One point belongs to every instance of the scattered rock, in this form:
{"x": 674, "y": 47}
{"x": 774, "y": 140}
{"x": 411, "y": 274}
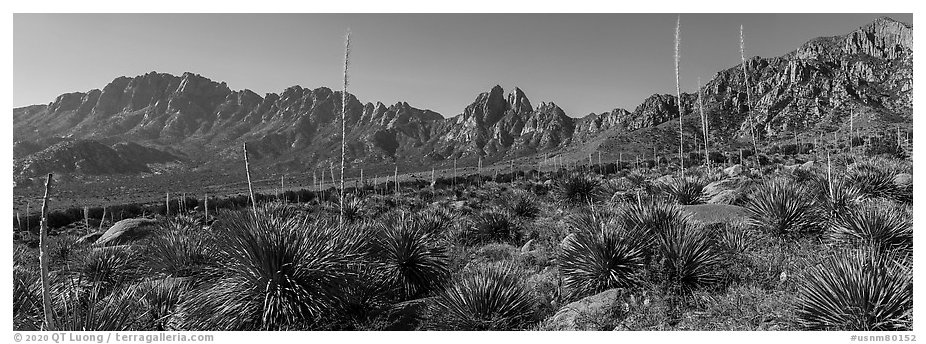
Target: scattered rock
{"x": 569, "y": 318}
{"x": 715, "y": 213}
{"x": 125, "y": 231}
{"x": 733, "y": 171}
{"x": 528, "y": 246}
{"x": 903, "y": 180}
{"x": 723, "y": 197}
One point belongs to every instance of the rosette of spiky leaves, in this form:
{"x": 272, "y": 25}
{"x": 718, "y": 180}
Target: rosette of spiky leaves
{"x": 879, "y": 225}
{"x": 734, "y": 239}
{"x": 91, "y": 307}
{"x": 576, "y": 189}
{"x": 159, "y": 299}
{"x": 599, "y": 255}
{"x": 781, "y": 207}
{"x": 522, "y": 204}
{"x": 493, "y": 226}
{"x": 354, "y": 209}
{"x": 435, "y": 220}
{"x": 280, "y": 270}
{"x": 684, "y": 191}
{"x": 688, "y": 258}
{"x": 409, "y": 254}
{"x": 874, "y": 182}
{"x": 651, "y": 220}
{"x": 109, "y": 267}
{"x": 836, "y": 197}
{"x": 857, "y": 290}
{"x": 176, "y": 250}
{"x": 27, "y": 300}
{"x": 485, "y": 297}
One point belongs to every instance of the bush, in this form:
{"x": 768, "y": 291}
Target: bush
{"x": 878, "y": 225}
{"x": 488, "y": 297}
{"x": 781, "y": 207}
{"x": 493, "y": 226}
{"x": 684, "y": 191}
{"x": 409, "y": 256}
{"x": 599, "y": 255}
{"x": 576, "y": 189}
{"x": 280, "y": 270}
{"x": 859, "y": 290}
{"x": 522, "y": 204}
{"x": 688, "y": 258}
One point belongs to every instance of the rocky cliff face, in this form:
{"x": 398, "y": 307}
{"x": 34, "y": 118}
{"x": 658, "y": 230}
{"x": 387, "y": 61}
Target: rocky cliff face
{"x": 867, "y": 73}
{"x": 90, "y": 157}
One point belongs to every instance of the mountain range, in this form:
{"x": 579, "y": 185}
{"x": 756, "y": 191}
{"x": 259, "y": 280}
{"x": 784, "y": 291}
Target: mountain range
{"x": 135, "y": 123}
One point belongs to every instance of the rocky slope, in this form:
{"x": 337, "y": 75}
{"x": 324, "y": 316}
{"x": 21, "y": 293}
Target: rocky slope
{"x": 867, "y": 73}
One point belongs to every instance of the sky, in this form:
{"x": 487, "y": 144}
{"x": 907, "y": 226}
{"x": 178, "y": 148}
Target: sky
{"x": 582, "y": 62}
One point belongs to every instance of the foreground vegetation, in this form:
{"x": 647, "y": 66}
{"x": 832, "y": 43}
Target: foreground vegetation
{"x": 809, "y": 249}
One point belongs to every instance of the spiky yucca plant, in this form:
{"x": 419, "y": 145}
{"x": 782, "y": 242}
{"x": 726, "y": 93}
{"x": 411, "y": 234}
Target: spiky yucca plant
{"x": 599, "y": 255}
{"x": 280, "y": 270}
{"x": 409, "y": 255}
{"x": 487, "y": 297}
{"x": 688, "y": 258}
{"x": 576, "y": 189}
{"x": 522, "y": 204}
{"x": 493, "y": 226}
{"x": 781, "y": 207}
{"x": 874, "y": 182}
{"x": 178, "y": 250}
{"x": 879, "y": 225}
{"x": 93, "y": 309}
{"x": 27, "y": 300}
{"x": 353, "y": 209}
{"x": 159, "y": 299}
{"x": 109, "y": 266}
{"x": 858, "y": 290}
{"x": 653, "y": 219}
{"x": 684, "y": 191}
{"x": 835, "y": 197}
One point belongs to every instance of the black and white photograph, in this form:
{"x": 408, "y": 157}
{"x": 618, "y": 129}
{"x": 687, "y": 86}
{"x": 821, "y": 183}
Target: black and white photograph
{"x": 659, "y": 172}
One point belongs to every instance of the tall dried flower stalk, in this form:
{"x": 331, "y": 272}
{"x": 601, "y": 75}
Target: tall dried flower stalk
{"x": 43, "y": 259}
{"x": 678, "y": 94}
{"x": 344, "y": 127}
{"x": 247, "y": 170}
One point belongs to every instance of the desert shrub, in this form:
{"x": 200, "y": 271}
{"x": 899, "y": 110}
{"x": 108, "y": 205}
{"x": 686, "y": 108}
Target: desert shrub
{"x": 493, "y": 226}
{"x": 280, "y": 270}
{"x": 781, "y": 207}
{"x": 576, "y": 189}
{"x": 599, "y": 255}
{"x": 878, "y": 225}
{"x": 688, "y": 260}
{"x": 109, "y": 267}
{"x": 158, "y": 299}
{"x": 92, "y": 309}
{"x": 878, "y": 181}
{"x": 487, "y": 297}
{"x": 651, "y": 220}
{"x": 834, "y": 199}
{"x": 522, "y": 204}
{"x": 180, "y": 250}
{"x": 409, "y": 255}
{"x": 683, "y": 191}
{"x": 354, "y": 209}
{"x": 27, "y": 300}
{"x": 859, "y": 290}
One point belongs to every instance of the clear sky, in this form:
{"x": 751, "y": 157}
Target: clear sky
{"x": 582, "y": 62}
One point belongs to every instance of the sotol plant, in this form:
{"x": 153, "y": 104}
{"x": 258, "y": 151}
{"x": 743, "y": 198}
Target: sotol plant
{"x": 781, "y": 207}
{"x": 409, "y": 255}
{"x": 279, "y": 270}
{"x": 487, "y": 297}
{"x": 576, "y": 189}
{"x": 878, "y": 225}
{"x": 858, "y": 290}
{"x": 599, "y": 255}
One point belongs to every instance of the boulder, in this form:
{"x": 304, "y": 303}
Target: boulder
{"x": 89, "y": 238}
{"x": 126, "y": 231}
{"x": 734, "y": 170}
{"x": 723, "y": 197}
{"x": 573, "y": 316}
{"x": 903, "y": 180}
{"x": 807, "y": 165}
{"x": 715, "y": 213}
